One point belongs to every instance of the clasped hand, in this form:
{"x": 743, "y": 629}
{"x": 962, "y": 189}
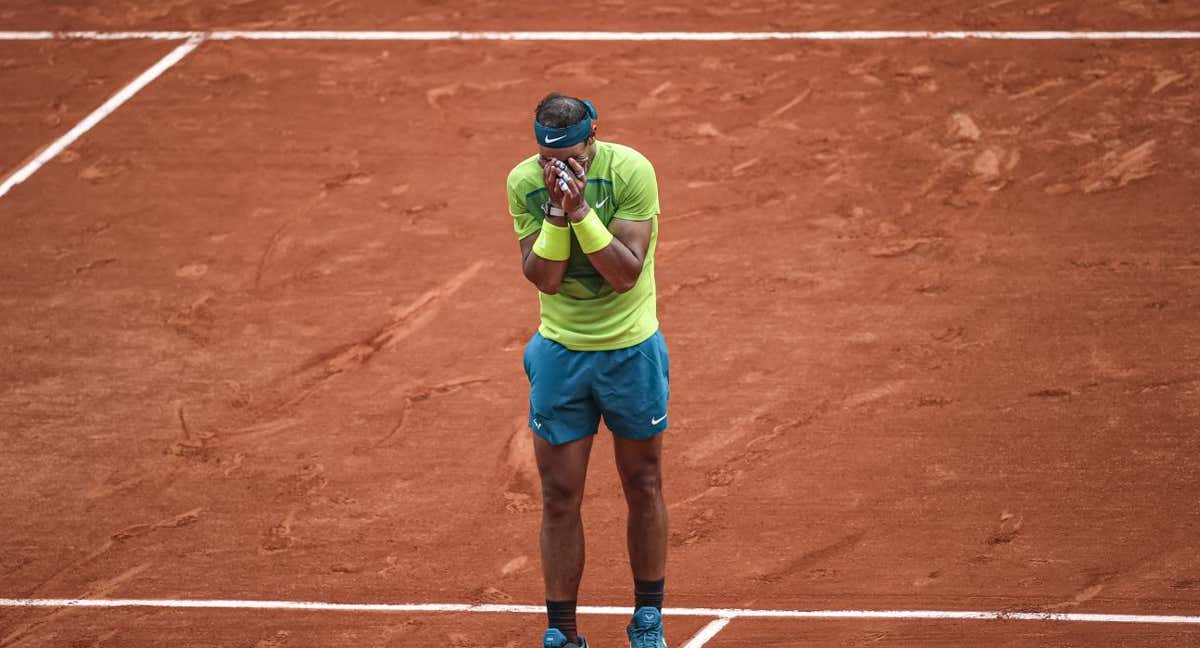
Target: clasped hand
{"x": 566, "y": 182}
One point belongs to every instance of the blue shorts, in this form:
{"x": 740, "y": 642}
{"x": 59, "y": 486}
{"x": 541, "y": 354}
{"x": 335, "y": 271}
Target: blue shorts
{"x": 570, "y": 390}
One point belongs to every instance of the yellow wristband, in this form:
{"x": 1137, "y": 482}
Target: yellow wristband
{"x": 592, "y": 234}
{"x": 554, "y": 243}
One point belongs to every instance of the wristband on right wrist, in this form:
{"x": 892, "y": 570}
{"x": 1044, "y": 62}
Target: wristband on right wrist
{"x": 554, "y": 242}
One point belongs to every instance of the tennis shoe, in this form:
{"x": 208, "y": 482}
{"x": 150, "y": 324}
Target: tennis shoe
{"x": 646, "y": 629}
{"x": 556, "y": 639}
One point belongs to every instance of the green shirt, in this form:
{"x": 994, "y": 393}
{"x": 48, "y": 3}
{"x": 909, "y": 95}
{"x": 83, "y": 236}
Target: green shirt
{"x": 587, "y": 314}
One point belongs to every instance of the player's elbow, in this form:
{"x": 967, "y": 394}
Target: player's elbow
{"x": 548, "y": 285}
{"x": 624, "y": 286}
{"x": 626, "y": 281}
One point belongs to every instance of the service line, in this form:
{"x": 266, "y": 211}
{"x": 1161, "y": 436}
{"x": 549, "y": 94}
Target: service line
{"x": 58, "y": 146}
{"x": 718, "y": 613}
{"x": 857, "y": 35}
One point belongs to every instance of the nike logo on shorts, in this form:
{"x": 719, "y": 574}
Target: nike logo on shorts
{"x": 656, "y": 421}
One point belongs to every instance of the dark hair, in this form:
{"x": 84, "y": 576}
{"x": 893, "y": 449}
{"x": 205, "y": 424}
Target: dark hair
{"x": 559, "y": 111}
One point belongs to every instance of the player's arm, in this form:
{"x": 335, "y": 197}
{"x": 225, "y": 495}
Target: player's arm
{"x": 617, "y": 252}
{"x": 621, "y": 261}
{"x": 544, "y": 253}
{"x": 545, "y": 274}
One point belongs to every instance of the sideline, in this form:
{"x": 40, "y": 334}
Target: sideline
{"x": 59, "y": 145}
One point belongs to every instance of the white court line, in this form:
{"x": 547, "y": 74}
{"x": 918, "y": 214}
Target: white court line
{"x": 602, "y": 35}
{"x": 22, "y": 174}
{"x": 724, "y": 613}
{"x": 98, "y": 35}
{"x": 707, "y": 633}
{"x": 683, "y": 36}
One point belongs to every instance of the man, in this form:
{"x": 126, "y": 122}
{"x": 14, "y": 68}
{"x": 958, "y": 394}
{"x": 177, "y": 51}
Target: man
{"x": 586, "y": 214}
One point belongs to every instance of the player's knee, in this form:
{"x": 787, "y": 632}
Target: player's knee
{"x": 643, "y": 485}
{"x": 560, "y": 500}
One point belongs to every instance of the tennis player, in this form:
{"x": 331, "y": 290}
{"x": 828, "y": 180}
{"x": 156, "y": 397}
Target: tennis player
{"x": 586, "y": 214}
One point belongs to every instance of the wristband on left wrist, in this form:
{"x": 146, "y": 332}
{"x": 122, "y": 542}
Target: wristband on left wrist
{"x": 591, "y": 233}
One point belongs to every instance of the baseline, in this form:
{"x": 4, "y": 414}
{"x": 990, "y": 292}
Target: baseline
{"x": 719, "y": 613}
{"x": 383, "y": 35}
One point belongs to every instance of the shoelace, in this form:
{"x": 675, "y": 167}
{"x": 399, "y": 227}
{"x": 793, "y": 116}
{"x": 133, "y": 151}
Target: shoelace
{"x": 643, "y": 635}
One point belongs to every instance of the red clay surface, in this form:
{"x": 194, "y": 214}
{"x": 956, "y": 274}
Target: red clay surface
{"x": 931, "y": 307}
{"x": 46, "y": 87}
{"x": 920, "y": 634}
{"x": 603, "y": 14}
{"x": 202, "y": 629}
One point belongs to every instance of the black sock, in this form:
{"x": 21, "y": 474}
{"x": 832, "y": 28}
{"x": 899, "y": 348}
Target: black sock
{"x": 562, "y": 616}
{"x": 648, "y": 593}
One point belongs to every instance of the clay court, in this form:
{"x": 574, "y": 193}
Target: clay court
{"x": 933, "y": 306}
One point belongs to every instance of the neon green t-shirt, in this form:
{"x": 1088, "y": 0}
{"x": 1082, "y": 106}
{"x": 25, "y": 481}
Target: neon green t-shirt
{"x": 587, "y": 314}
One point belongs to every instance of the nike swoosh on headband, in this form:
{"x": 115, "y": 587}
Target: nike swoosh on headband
{"x": 551, "y": 140}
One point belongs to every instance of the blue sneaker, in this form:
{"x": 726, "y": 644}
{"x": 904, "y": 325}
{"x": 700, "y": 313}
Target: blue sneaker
{"x": 556, "y": 639}
{"x": 646, "y": 629}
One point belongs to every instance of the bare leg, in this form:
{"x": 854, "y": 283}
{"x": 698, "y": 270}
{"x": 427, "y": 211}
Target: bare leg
{"x": 639, "y": 462}
{"x": 563, "y": 471}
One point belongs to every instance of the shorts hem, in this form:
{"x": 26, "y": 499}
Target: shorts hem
{"x": 640, "y": 436}
{"x": 557, "y": 439}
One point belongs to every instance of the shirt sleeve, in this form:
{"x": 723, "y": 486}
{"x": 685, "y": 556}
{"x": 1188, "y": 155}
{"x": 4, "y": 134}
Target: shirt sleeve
{"x": 524, "y": 223}
{"x": 637, "y": 194}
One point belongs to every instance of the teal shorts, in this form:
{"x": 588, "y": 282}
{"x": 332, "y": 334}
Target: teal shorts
{"x": 569, "y": 391}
